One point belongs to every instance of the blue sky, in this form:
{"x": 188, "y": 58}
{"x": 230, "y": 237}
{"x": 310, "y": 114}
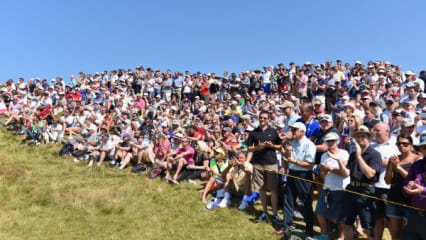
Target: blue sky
{"x": 58, "y": 38}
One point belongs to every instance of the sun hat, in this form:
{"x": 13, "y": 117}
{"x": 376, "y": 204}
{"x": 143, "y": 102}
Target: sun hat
{"x": 331, "y": 136}
{"x": 362, "y": 130}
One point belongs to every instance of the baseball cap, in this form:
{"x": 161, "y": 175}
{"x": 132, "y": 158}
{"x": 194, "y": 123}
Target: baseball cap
{"x": 422, "y": 140}
{"x": 407, "y": 123}
{"x": 389, "y": 99}
{"x": 349, "y": 104}
{"x": 326, "y": 117}
{"x": 299, "y": 126}
{"x": 410, "y": 85}
{"x": 178, "y": 135}
{"x": 287, "y": 104}
{"x": 220, "y": 150}
{"x": 409, "y": 73}
{"x": 126, "y": 135}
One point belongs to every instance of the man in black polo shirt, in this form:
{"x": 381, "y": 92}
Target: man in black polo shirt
{"x": 363, "y": 167}
{"x": 263, "y": 142}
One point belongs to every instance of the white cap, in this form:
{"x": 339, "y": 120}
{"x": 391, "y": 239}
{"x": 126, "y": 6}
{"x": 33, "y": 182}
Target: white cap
{"x": 409, "y": 73}
{"x": 299, "y": 126}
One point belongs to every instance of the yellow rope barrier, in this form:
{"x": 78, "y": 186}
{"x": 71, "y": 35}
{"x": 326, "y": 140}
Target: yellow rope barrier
{"x": 342, "y": 189}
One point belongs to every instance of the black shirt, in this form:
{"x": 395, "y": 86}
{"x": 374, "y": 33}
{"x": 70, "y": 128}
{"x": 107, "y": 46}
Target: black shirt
{"x": 320, "y": 140}
{"x": 266, "y": 156}
{"x": 372, "y": 158}
{"x": 396, "y": 191}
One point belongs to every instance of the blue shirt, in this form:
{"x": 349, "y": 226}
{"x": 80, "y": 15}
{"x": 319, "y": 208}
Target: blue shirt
{"x": 312, "y": 127}
{"x": 303, "y": 150}
{"x": 178, "y": 82}
{"x": 289, "y": 121}
{"x": 337, "y": 103}
{"x": 97, "y": 100}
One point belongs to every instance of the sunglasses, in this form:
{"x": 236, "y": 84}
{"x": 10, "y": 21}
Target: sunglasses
{"x": 294, "y": 129}
{"x": 403, "y": 144}
{"x": 260, "y": 118}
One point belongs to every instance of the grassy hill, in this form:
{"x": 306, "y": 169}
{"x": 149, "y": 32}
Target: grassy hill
{"x": 44, "y": 196}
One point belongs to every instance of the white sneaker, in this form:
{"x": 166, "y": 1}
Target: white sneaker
{"x": 192, "y": 182}
{"x": 210, "y": 203}
{"x": 90, "y": 163}
{"x": 224, "y": 203}
{"x": 76, "y": 160}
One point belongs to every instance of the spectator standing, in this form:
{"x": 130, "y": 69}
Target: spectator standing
{"x": 263, "y": 142}
{"x": 415, "y": 187}
{"x": 364, "y": 166}
{"x": 301, "y": 163}
{"x": 386, "y": 150}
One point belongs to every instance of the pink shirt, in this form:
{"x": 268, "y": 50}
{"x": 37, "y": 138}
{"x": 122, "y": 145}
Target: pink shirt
{"x": 188, "y": 157}
{"x": 166, "y": 146}
{"x": 139, "y": 104}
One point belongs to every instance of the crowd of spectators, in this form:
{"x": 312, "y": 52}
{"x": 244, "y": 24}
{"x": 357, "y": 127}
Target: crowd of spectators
{"x": 356, "y": 127}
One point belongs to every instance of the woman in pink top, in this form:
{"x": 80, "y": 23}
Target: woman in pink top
{"x": 161, "y": 149}
{"x": 139, "y": 104}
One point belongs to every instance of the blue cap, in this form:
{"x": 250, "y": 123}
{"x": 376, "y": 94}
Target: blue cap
{"x": 126, "y": 135}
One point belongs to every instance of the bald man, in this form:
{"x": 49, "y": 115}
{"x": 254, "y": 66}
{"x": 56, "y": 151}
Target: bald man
{"x": 387, "y": 150}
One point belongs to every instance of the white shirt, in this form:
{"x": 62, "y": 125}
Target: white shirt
{"x": 267, "y": 77}
{"x": 333, "y": 179}
{"x": 386, "y": 150}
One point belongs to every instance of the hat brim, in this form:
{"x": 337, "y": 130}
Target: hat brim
{"x": 418, "y": 146}
{"x": 357, "y": 133}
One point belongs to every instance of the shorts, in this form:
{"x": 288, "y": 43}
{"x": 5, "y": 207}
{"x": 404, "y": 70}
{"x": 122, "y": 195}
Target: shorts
{"x": 354, "y": 205}
{"x": 335, "y": 206}
{"x": 396, "y": 211}
{"x": 380, "y": 205}
{"x": 265, "y": 180}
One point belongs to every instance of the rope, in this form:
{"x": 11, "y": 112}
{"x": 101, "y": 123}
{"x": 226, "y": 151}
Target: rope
{"x": 341, "y": 189}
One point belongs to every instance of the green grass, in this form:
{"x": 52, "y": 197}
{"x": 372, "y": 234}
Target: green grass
{"x": 44, "y": 196}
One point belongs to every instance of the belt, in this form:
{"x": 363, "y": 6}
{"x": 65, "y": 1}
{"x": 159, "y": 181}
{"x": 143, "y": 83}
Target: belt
{"x": 360, "y": 184}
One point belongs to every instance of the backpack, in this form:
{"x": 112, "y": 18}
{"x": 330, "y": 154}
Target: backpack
{"x": 67, "y": 149}
{"x": 139, "y": 168}
{"x": 155, "y": 172}
{"x": 79, "y": 153}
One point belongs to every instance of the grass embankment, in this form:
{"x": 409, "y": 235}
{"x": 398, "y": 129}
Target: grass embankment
{"x": 44, "y": 196}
